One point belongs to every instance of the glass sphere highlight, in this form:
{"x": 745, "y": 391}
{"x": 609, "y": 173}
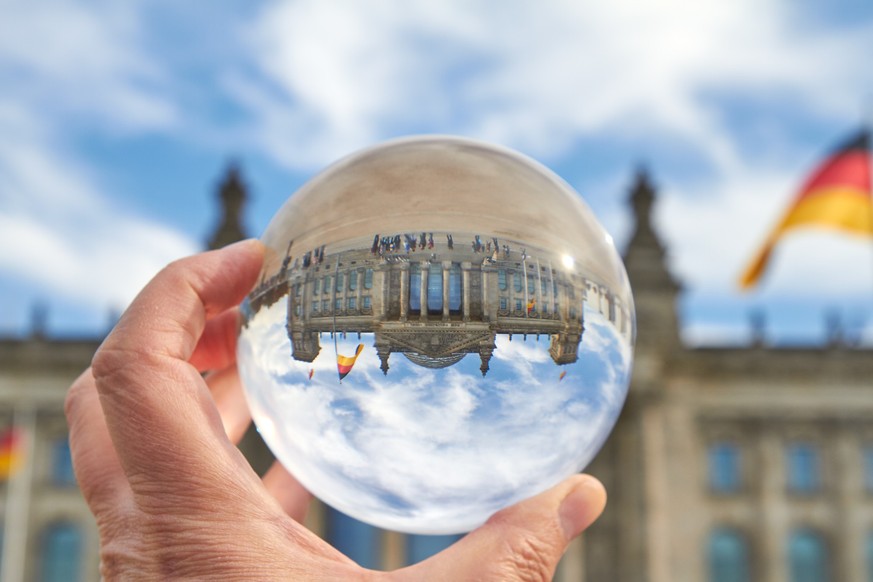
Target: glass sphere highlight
{"x": 441, "y": 329}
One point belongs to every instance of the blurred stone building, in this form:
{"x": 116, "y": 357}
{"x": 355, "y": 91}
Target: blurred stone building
{"x": 728, "y": 464}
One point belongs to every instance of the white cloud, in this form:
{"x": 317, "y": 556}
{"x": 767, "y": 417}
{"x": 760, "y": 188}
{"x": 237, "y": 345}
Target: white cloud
{"x": 433, "y": 449}
{"x": 351, "y": 74}
{"x": 61, "y": 231}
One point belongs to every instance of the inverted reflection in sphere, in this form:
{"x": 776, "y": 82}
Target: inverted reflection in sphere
{"x": 441, "y": 329}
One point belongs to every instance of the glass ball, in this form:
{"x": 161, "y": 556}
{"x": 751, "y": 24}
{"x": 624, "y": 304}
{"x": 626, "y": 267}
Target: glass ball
{"x": 441, "y": 329}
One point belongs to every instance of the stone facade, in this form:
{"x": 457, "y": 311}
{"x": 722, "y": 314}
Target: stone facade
{"x": 759, "y": 403}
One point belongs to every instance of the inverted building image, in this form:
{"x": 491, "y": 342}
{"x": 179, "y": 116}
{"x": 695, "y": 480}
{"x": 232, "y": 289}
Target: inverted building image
{"x": 436, "y": 297}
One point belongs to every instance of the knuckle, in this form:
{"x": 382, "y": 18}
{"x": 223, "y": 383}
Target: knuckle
{"x": 529, "y": 559}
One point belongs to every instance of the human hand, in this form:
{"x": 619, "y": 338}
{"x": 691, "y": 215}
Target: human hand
{"x": 153, "y": 444}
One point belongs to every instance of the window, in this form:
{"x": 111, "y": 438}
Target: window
{"x": 368, "y": 279}
{"x": 868, "y": 471}
{"x": 367, "y": 302}
{"x": 353, "y": 280}
{"x": 315, "y": 307}
{"x": 728, "y": 556}
{"x": 572, "y": 313}
{"x": 435, "y": 288}
{"x": 357, "y": 540}
{"x": 544, "y": 286}
{"x": 516, "y": 281}
{"x": 326, "y": 287}
{"x": 325, "y": 306}
{"x": 339, "y": 282}
{"x": 61, "y": 553}
{"x": 420, "y": 548}
{"x": 503, "y": 303}
{"x": 352, "y": 303}
{"x": 338, "y": 305}
{"x": 531, "y": 286}
{"x": 724, "y": 468}
{"x": 803, "y": 468}
{"x": 807, "y": 557}
{"x": 315, "y": 287}
{"x": 501, "y": 279}
{"x": 455, "y": 288}
{"x": 415, "y": 287}
{"x": 62, "y": 463}
{"x": 518, "y": 304}
{"x": 868, "y": 555}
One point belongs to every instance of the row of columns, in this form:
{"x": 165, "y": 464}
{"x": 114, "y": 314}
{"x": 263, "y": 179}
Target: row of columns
{"x": 424, "y": 273}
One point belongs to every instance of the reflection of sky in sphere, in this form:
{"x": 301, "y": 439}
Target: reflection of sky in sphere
{"x": 432, "y": 451}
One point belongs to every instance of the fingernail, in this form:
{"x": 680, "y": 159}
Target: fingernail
{"x": 582, "y": 505}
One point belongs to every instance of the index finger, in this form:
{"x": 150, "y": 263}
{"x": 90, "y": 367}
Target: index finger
{"x": 158, "y": 409}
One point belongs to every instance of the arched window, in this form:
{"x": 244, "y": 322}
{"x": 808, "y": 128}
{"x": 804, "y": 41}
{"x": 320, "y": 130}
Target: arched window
{"x": 61, "y": 553}
{"x": 414, "y": 288}
{"x": 455, "y": 288}
{"x": 807, "y": 557}
{"x": 728, "y": 556}
{"x": 359, "y": 541}
{"x": 435, "y": 288}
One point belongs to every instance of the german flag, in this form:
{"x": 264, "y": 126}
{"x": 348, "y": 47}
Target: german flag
{"x": 11, "y": 451}
{"x": 344, "y": 363}
{"x": 837, "y": 195}
{"x": 531, "y": 304}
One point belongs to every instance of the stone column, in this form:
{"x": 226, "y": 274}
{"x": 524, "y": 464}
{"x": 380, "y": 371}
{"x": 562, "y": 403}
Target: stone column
{"x": 773, "y": 511}
{"x": 404, "y": 291}
{"x": 465, "y": 280}
{"x": 425, "y": 270}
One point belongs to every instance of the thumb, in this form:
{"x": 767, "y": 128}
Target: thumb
{"x": 524, "y": 541}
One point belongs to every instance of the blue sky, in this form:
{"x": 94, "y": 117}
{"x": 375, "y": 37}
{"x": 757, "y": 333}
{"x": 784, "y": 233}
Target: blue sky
{"x": 118, "y": 119}
{"x": 392, "y": 449}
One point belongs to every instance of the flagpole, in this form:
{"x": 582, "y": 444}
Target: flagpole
{"x": 18, "y": 487}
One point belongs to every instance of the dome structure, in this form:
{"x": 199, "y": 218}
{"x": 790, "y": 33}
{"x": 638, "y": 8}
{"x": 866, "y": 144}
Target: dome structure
{"x": 434, "y": 362}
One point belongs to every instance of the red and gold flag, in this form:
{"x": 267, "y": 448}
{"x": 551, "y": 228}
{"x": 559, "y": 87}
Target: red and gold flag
{"x": 837, "y": 195}
{"x": 11, "y": 451}
{"x": 344, "y": 363}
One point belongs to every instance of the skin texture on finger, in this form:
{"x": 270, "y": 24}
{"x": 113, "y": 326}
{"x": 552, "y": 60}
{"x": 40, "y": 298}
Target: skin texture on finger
{"x": 288, "y": 492}
{"x": 522, "y": 542}
{"x": 216, "y": 348}
{"x": 230, "y": 401}
{"x": 158, "y": 408}
{"x": 95, "y": 462}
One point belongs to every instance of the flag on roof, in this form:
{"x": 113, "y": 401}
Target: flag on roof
{"x": 836, "y": 195}
{"x": 344, "y": 363}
